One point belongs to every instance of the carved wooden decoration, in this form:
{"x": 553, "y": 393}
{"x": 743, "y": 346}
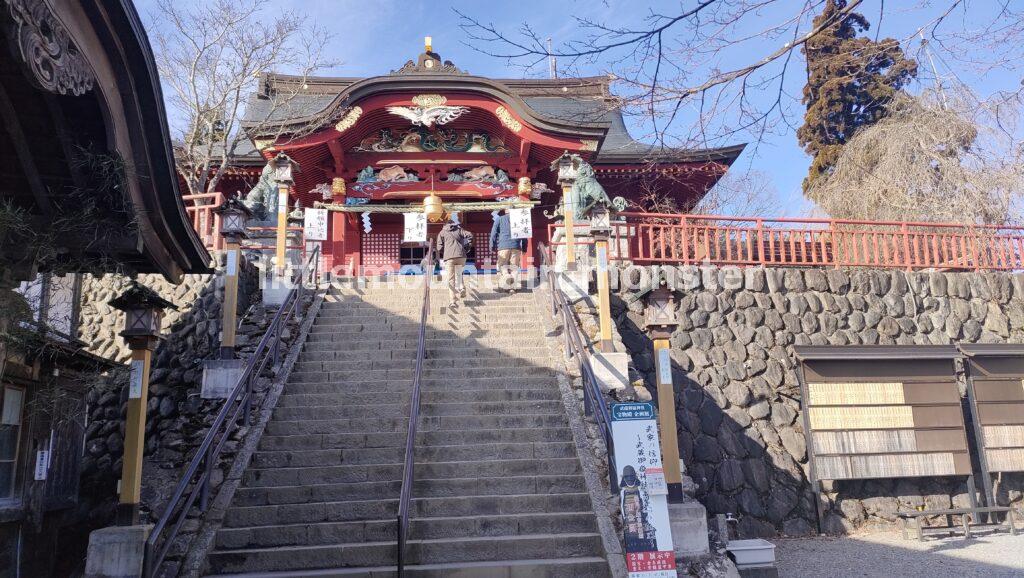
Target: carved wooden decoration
{"x": 47, "y": 49}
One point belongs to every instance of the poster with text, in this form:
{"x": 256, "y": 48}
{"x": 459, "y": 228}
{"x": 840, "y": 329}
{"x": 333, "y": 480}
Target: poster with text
{"x": 415, "y": 229}
{"x": 315, "y": 225}
{"x": 643, "y": 495}
{"x": 521, "y": 223}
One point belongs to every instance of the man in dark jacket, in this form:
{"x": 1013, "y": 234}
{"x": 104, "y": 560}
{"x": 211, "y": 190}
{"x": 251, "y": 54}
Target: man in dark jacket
{"x": 453, "y": 245}
{"x": 510, "y": 251}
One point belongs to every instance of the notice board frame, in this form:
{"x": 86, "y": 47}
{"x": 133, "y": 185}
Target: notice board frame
{"x": 971, "y": 353}
{"x": 835, "y": 353}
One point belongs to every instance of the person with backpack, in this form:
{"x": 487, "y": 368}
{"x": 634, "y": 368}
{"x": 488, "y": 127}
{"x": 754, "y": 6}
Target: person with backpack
{"x": 510, "y": 251}
{"x": 453, "y": 246}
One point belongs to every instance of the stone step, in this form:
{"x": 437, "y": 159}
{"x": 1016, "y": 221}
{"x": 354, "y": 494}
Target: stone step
{"x": 359, "y": 311}
{"x": 492, "y": 408}
{"x": 487, "y": 342}
{"x": 468, "y": 351}
{"x": 289, "y": 399}
{"x": 387, "y": 472}
{"x": 395, "y": 325}
{"x": 434, "y": 338}
{"x": 429, "y": 384}
{"x": 469, "y": 549}
{"x": 428, "y": 423}
{"x": 420, "y": 528}
{"x": 507, "y": 368}
{"x": 371, "y": 363}
{"x": 456, "y": 453}
{"x": 423, "y": 488}
{"x": 591, "y": 567}
{"x": 377, "y": 509}
{"x": 423, "y": 438}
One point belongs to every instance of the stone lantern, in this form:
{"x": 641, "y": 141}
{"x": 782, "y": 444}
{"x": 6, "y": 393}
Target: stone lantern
{"x": 660, "y": 321}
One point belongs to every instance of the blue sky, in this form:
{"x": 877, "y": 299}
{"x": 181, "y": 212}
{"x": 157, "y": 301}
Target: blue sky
{"x": 375, "y": 36}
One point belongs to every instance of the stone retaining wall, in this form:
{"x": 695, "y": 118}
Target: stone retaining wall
{"x": 738, "y": 399}
{"x": 177, "y": 417}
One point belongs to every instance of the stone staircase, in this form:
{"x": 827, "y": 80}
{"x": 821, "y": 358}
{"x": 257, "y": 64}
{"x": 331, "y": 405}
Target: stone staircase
{"x": 499, "y": 489}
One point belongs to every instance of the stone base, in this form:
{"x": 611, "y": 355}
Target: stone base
{"x": 116, "y": 552}
{"x": 575, "y": 284}
{"x": 220, "y": 376}
{"x": 611, "y": 370}
{"x": 689, "y": 523}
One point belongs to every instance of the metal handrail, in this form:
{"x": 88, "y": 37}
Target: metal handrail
{"x": 237, "y": 408}
{"x": 414, "y": 413}
{"x": 593, "y": 401}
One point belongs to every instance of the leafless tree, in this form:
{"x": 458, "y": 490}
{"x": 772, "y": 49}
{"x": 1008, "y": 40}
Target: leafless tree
{"x": 747, "y": 194}
{"x": 712, "y": 70}
{"x": 940, "y": 156}
{"x": 211, "y": 59}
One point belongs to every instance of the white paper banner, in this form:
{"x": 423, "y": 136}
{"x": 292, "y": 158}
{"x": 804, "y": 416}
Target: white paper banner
{"x": 643, "y": 492}
{"x": 42, "y": 464}
{"x": 415, "y": 230}
{"x": 522, "y": 223}
{"x": 315, "y": 225}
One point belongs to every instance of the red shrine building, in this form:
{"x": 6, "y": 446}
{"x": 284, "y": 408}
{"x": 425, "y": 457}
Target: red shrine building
{"x": 371, "y": 146}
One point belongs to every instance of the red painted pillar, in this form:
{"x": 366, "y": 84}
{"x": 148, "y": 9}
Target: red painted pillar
{"x": 334, "y": 248}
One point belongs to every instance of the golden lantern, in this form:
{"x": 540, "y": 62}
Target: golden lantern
{"x": 525, "y": 188}
{"x": 433, "y": 208}
{"x": 338, "y": 186}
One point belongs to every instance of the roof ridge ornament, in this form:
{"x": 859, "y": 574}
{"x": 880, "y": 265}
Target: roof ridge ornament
{"x": 428, "y": 62}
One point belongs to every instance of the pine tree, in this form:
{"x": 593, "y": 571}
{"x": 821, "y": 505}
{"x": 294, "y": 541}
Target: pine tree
{"x": 850, "y": 80}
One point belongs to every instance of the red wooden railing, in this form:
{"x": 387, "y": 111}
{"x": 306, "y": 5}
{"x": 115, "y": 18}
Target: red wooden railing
{"x": 207, "y": 223}
{"x": 649, "y": 238}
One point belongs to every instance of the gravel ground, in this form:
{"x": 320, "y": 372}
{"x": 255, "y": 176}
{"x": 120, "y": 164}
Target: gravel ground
{"x": 996, "y": 555}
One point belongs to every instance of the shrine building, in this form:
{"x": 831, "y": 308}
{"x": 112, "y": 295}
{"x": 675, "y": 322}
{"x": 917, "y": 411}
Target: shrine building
{"x": 371, "y": 148}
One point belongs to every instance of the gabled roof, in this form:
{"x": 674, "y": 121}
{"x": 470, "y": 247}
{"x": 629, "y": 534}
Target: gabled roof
{"x": 583, "y": 103}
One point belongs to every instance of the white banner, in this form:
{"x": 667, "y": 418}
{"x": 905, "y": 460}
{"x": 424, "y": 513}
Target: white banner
{"x": 415, "y": 230}
{"x": 643, "y": 493}
{"x": 521, "y": 223}
{"x": 315, "y": 225}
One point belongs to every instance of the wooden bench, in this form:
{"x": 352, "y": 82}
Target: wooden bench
{"x": 967, "y": 517}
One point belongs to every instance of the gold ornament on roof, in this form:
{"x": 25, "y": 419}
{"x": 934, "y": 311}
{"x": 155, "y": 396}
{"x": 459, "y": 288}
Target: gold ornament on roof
{"x": 507, "y": 119}
{"x": 428, "y": 100}
{"x": 349, "y": 119}
{"x": 262, "y": 143}
{"x": 525, "y": 186}
{"x": 588, "y": 145}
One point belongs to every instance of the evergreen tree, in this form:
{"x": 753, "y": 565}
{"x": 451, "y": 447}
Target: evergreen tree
{"x": 850, "y": 81}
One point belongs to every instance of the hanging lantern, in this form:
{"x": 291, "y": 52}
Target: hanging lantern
{"x": 525, "y": 187}
{"x": 338, "y": 187}
{"x": 433, "y": 208}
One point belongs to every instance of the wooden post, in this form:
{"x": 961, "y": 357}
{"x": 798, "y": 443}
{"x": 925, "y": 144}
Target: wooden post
{"x": 570, "y": 225}
{"x": 229, "y": 313}
{"x": 282, "y": 228}
{"x": 667, "y": 420}
{"x": 135, "y": 431}
{"x": 603, "y": 293}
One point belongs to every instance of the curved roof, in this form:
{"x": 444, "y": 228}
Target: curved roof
{"x": 580, "y": 106}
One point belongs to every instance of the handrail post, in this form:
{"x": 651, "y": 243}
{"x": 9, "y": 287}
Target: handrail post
{"x": 760, "y": 241}
{"x": 906, "y": 246}
{"x": 832, "y": 233}
{"x": 685, "y": 232}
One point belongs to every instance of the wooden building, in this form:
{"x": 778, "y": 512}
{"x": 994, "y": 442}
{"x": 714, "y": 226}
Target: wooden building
{"x": 392, "y": 140}
{"x": 87, "y": 183}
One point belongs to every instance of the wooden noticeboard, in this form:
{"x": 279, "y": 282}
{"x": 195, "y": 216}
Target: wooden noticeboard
{"x": 995, "y": 389}
{"x": 881, "y": 416}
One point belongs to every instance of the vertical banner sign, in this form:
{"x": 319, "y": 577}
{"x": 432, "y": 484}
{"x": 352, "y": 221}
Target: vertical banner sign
{"x": 415, "y": 230}
{"x": 42, "y": 465}
{"x": 643, "y": 494}
{"x": 315, "y": 225}
{"x": 521, "y": 223}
